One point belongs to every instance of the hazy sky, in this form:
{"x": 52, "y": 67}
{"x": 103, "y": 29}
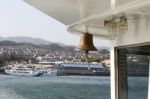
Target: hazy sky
{"x": 20, "y": 19}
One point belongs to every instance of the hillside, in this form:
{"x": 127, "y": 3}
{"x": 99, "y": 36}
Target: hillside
{"x": 23, "y": 39}
{"x": 50, "y": 47}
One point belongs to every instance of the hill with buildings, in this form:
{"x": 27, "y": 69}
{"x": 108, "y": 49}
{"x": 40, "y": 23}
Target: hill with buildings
{"x": 13, "y": 51}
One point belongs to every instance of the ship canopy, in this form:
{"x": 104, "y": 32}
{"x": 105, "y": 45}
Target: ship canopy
{"x": 83, "y": 15}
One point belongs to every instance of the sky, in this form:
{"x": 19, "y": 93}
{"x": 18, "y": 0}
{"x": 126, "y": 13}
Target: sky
{"x": 17, "y": 18}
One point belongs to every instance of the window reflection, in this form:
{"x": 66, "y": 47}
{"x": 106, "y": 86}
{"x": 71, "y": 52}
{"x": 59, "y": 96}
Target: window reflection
{"x": 137, "y": 69}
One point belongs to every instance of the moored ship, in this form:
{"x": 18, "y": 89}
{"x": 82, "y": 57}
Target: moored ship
{"x": 53, "y": 72}
{"x": 84, "y": 68}
{"x": 49, "y": 70}
{"x": 23, "y": 71}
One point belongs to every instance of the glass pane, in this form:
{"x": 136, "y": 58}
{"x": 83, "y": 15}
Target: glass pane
{"x": 138, "y": 66}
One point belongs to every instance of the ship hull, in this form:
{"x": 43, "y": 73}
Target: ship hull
{"x": 15, "y": 73}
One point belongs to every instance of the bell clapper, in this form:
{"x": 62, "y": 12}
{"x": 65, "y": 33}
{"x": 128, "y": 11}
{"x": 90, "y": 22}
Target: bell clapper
{"x": 86, "y": 55}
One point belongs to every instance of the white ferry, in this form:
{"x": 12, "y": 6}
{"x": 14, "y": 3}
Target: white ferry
{"x": 53, "y": 72}
{"x": 23, "y": 71}
{"x": 48, "y": 70}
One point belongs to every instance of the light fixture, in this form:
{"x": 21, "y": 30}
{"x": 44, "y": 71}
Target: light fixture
{"x": 123, "y": 25}
{"x": 116, "y": 25}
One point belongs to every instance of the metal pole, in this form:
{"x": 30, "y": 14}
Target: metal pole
{"x": 148, "y": 96}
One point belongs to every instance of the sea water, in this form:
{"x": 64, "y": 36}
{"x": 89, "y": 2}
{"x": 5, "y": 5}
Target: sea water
{"x": 60, "y": 87}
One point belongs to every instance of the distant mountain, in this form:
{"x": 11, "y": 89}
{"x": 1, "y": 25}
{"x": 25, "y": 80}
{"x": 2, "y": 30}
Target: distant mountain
{"x": 50, "y": 47}
{"x": 23, "y": 39}
{"x": 6, "y": 43}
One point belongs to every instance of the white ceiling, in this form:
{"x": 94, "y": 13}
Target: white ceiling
{"x": 70, "y": 11}
{"x": 90, "y": 13}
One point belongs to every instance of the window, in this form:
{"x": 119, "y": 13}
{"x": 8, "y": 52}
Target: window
{"x": 132, "y": 65}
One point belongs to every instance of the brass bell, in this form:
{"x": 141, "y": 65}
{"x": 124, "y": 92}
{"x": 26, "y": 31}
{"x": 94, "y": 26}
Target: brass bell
{"x": 86, "y": 43}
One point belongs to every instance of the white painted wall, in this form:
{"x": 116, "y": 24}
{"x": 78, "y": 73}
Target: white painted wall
{"x": 138, "y": 32}
{"x": 122, "y": 2}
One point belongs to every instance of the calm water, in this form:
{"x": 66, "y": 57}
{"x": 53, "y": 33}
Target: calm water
{"x": 56, "y": 87}
{"x": 137, "y": 87}
{"x": 62, "y": 87}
